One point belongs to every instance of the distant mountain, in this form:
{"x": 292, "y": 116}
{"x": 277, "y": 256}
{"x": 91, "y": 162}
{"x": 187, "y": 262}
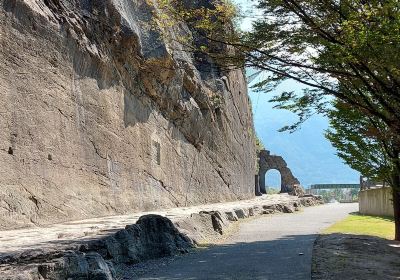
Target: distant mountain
{"x": 309, "y": 155}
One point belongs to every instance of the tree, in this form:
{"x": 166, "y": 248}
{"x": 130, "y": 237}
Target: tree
{"x": 346, "y": 50}
{"x": 354, "y": 194}
{"x": 317, "y": 43}
{"x": 366, "y": 144}
{"x": 360, "y": 141}
{"x": 322, "y": 43}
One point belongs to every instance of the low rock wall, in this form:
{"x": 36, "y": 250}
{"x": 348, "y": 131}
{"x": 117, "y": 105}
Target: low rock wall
{"x": 153, "y": 236}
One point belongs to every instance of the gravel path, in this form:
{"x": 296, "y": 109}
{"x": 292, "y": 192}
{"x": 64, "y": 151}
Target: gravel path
{"x": 270, "y": 247}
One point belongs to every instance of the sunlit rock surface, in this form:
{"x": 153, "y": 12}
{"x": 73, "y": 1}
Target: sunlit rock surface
{"x": 101, "y": 115}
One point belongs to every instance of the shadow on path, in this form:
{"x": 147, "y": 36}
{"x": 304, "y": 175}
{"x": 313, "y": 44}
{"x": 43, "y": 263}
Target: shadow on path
{"x": 289, "y": 257}
{"x": 350, "y": 256}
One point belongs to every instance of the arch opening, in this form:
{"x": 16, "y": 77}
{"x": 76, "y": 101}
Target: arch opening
{"x": 267, "y": 162}
{"x": 273, "y": 181}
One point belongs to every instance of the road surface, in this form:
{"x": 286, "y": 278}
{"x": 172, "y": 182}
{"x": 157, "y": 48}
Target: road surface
{"x": 276, "y": 247}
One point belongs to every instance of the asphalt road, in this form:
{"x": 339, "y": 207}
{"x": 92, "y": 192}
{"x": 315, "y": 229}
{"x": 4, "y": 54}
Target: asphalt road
{"x": 269, "y": 247}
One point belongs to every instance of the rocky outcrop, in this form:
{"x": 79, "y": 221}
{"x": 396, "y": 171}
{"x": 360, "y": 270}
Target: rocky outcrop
{"x": 103, "y": 114}
{"x": 152, "y": 237}
{"x": 76, "y": 265}
{"x": 296, "y": 190}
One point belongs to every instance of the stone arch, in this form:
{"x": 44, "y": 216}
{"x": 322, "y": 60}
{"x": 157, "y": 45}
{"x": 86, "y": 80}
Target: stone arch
{"x": 266, "y": 162}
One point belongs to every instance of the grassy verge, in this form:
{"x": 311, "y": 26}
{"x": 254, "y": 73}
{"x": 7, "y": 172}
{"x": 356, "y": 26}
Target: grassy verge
{"x": 364, "y": 225}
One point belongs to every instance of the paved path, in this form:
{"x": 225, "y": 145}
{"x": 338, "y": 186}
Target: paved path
{"x": 276, "y": 247}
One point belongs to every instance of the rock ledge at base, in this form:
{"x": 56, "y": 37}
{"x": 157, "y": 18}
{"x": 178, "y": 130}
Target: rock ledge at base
{"x": 152, "y": 237}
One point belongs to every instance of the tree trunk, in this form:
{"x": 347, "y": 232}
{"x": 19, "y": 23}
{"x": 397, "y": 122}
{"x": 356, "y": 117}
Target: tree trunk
{"x": 396, "y": 196}
{"x": 396, "y": 208}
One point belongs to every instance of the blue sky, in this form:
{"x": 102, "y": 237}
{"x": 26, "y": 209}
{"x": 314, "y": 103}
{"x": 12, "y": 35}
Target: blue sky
{"x": 308, "y": 153}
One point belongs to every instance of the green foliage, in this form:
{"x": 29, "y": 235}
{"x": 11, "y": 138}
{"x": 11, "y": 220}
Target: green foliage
{"x": 208, "y": 17}
{"x": 338, "y": 195}
{"x": 208, "y": 22}
{"x": 364, "y": 142}
{"x": 259, "y": 144}
{"x": 345, "y": 49}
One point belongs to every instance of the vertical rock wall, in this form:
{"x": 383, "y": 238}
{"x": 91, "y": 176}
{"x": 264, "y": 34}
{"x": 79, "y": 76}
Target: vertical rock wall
{"x": 101, "y": 115}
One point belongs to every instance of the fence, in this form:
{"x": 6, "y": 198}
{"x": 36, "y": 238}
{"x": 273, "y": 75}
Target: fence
{"x": 376, "y": 202}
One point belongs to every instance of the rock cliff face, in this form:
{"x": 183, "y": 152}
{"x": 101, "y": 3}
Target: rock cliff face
{"x": 101, "y": 115}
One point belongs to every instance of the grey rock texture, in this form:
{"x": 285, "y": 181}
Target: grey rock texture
{"x": 152, "y": 237}
{"x": 231, "y": 216}
{"x": 77, "y": 265}
{"x": 242, "y": 213}
{"x": 296, "y": 190}
{"x": 275, "y": 248}
{"x": 101, "y": 115}
{"x": 219, "y": 221}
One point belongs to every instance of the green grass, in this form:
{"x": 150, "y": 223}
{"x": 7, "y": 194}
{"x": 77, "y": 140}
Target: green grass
{"x": 364, "y": 225}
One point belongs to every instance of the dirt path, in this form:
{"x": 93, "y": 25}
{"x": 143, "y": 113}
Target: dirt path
{"x": 271, "y": 247}
{"x": 353, "y": 257}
